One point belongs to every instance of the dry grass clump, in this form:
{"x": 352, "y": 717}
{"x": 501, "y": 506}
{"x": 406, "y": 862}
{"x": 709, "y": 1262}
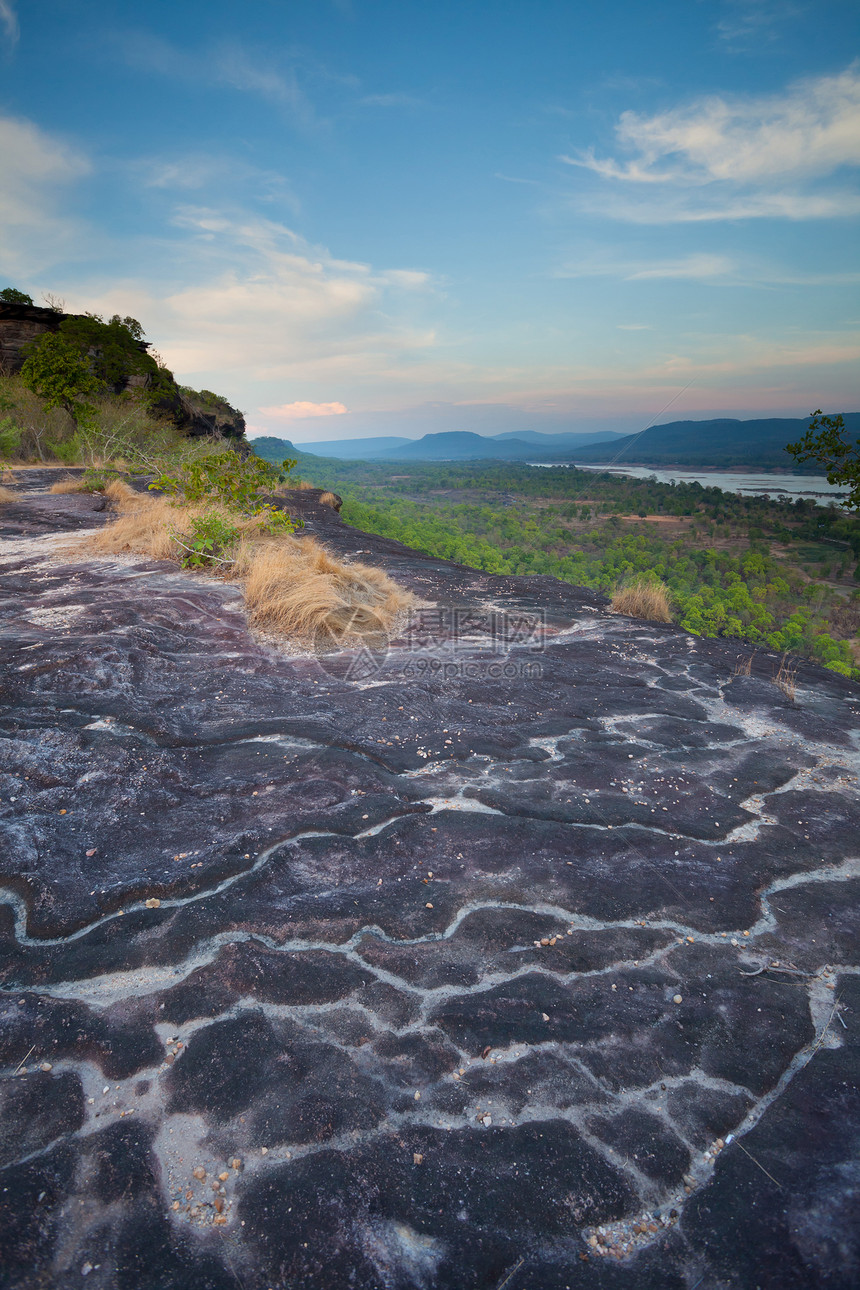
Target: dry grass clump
{"x": 292, "y": 587}
{"x": 7, "y": 494}
{"x": 743, "y": 667}
{"x": 69, "y": 485}
{"x": 786, "y": 678}
{"x": 329, "y": 499}
{"x": 145, "y": 526}
{"x": 298, "y": 588}
{"x": 643, "y": 599}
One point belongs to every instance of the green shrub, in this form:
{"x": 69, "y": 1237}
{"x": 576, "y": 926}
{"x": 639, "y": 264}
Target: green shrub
{"x": 225, "y": 477}
{"x": 212, "y": 535}
{"x": 10, "y": 437}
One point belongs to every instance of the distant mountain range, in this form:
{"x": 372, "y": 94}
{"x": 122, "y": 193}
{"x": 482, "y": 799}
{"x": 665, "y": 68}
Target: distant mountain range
{"x": 754, "y": 444}
{"x": 451, "y": 445}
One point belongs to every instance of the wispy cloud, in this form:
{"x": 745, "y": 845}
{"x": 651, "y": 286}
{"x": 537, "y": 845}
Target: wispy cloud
{"x": 234, "y": 66}
{"x": 34, "y": 165}
{"x": 9, "y": 19}
{"x": 300, "y": 411}
{"x": 705, "y": 267}
{"x": 700, "y": 267}
{"x": 741, "y": 158}
{"x": 746, "y": 24}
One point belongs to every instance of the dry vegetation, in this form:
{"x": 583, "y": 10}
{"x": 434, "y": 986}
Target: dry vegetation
{"x": 643, "y": 599}
{"x": 329, "y": 499}
{"x": 7, "y": 494}
{"x": 69, "y": 485}
{"x": 292, "y": 586}
{"x": 786, "y": 678}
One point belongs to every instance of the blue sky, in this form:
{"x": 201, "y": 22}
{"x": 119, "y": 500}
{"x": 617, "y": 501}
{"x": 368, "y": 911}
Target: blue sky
{"x": 362, "y": 218}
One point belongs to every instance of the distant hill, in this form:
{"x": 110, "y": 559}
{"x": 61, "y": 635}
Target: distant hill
{"x": 565, "y": 440}
{"x": 353, "y": 449}
{"x": 756, "y": 444}
{"x": 720, "y": 443}
{"x": 450, "y": 445}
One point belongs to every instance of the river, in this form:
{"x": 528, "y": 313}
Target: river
{"x": 815, "y": 487}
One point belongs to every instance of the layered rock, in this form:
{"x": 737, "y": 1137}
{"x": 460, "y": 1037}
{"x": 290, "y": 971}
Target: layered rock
{"x": 522, "y": 953}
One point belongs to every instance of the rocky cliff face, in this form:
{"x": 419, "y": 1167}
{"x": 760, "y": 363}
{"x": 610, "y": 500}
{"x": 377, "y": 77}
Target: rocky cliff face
{"x": 521, "y": 954}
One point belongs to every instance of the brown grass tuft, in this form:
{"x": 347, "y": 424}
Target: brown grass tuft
{"x": 144, "y": 526}
{"x": 296, "y": 587}
{"x": 292, "y": 586}
{"x": 8, "y": 494}
{"x": 329, "y": 499}
{"x": 786, "y": 678}
{"x": 70, "y": 484}
{"x": 643, "y": 599}
{"x": 743, "y": 667}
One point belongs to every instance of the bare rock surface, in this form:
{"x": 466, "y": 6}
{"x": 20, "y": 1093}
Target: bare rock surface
{"x": 523, "y": 954}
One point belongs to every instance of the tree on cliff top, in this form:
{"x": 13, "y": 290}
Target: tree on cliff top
{"x": 826, "y": 444}
{"x": 57, "y": 371}
{"x": 12, "y": 296}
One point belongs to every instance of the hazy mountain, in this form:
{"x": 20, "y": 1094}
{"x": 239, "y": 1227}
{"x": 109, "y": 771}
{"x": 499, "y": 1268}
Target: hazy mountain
{"x": 354, "y": 449}
{"x": 565, "y": 440}
{"x": 724, "y": 442}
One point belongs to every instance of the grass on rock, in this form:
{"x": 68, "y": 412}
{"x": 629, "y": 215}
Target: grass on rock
{"x": 643, "y": 598}
{"x": 292, "y": 586}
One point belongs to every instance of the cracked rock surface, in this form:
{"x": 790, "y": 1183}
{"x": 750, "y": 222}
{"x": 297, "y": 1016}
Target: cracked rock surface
{"x": 516, "y": 956}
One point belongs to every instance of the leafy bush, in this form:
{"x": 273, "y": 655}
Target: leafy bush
{"x": 211, "y": 536}
{"x": 225, "y": 477}
{"x": 10, "y": 437}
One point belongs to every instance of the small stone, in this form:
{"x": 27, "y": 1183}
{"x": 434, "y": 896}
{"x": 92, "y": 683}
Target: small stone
{"x": 734, "y": 941}
{"x": 264, "y": 1151}
{"x": 199, "y": 1173}
{"x": 224, "y": 1176}
{"x": 235, "y": 1163}
{"x": 676, "y": 999}
{"x": 220, "y": 1220}
{"x": 219, "y": 1204}
{"x": 86, "y": 1269}
{"x": 46, "y": 1066}
{"x": 545, "y": 1016}
{"x": 63, "y": 812}
{"x": 91, "y": 852}
{"x": 428, "y": 905}
{"x": 176, "y": 1205}
{"x": 746, "y": 933}
{"x": 417, "y": 1096}
{"x": 592, "y": 1241}
{"x": 153, "y": 903}
{"x": 544, "y": 940}
{"x": 417, "y": 1158}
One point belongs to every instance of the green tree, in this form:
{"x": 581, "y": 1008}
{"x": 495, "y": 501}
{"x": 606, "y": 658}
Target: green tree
{"x": 825, "y": 442}
{"x": 11, "y": 296}
{"x": 56, "y": 370}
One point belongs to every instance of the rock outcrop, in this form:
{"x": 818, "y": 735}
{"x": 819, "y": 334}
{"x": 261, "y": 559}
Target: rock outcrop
{"x": 522, "y": 954}
{"x": 197, "y": 413}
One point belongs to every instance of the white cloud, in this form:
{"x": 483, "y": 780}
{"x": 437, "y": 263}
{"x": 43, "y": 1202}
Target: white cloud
{"x": 300, "y": 410}
{"x": 9, "y": 19}
{"x": 263, "y": 315}
{"x": 33, "y": 165}
{"x": 696, "y": 267}
{"x": 741, "y": 158}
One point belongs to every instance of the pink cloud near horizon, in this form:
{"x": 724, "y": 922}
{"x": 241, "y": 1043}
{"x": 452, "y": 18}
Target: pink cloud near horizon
{"x": 299, "y": 410}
